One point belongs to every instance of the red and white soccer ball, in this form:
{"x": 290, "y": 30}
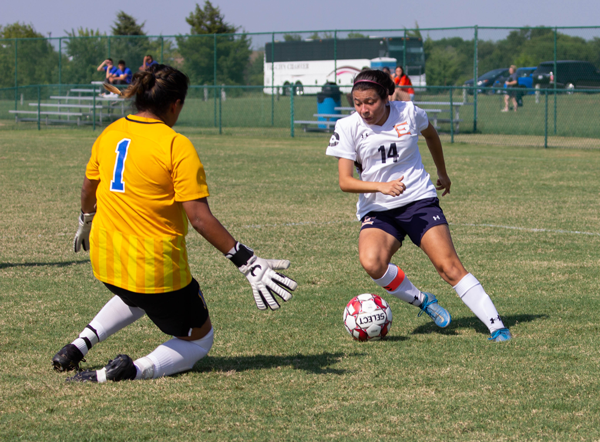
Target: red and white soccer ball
{"x": 368, "y": 317}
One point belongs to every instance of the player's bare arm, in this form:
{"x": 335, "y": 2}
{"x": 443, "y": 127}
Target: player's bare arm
{"x": 88, "y": 195}
{"x": 205, "y": 223}
{"x": 353, "y": 185}
{"x": 435, "y": 148}
{"x": 259, "y": 272}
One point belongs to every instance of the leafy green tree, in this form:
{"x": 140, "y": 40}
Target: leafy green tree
{"x": 37, "y": 61}
{"x": 19, "y": 30}
{"x": 292, "y": 37}
{"x": 415, "y": 33}
{"x": 85, "y": 50}
{"x": 209, "y": 20}
{"x": 356, "y": 35}
{"x": 197, "y": 50}
{"x": 459, "y": 56}
{"x": 444, "y": 66}
{"x": 125, "y": 24}
{"x": 595, "y": 48}
{"x": 255, "y": 72}
{"x": 132, "y": 48}
{"x": 316, "y": 36}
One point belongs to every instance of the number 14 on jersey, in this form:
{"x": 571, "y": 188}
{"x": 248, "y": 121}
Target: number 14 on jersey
{"x": 392, "y": 152}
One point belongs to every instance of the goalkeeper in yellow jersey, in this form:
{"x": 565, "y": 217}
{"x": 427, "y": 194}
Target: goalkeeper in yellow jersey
{"x": 142, "y": 184}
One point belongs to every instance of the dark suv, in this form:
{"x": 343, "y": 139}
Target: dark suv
{"x": 487, "y": 80}
{"x": 569, "y": 75}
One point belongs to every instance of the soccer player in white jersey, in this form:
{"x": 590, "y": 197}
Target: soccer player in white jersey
{"x": 397, "y": 198}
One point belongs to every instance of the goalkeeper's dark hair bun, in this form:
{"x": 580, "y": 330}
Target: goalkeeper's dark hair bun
{"x": 156, "y": 88}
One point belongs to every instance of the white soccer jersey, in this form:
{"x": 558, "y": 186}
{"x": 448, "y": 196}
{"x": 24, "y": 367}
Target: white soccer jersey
{"x": 385, "y": 153}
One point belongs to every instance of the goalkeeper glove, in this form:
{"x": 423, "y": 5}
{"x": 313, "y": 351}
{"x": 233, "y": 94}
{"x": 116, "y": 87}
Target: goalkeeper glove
{"x": 82, "y": 237}
{"x": 263, "y": 280}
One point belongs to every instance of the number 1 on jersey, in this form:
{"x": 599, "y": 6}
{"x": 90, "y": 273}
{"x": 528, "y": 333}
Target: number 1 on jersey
{"x": 117, "y": 184}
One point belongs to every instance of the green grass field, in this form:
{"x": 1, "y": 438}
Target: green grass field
{"x": 525, "y": 221}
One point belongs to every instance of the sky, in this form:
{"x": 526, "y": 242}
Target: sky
{"x": 168, "y": 17}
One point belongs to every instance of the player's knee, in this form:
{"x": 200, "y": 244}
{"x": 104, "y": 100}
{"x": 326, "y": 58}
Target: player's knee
{"x": 205, "y": 343}
{"x": 193, "y": 351}
{"x": 374, "y": 267}
{"x": 451, "y": 272}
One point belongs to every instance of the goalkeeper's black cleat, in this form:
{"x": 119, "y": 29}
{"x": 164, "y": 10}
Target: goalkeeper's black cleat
{"x": 120, "y": 368}
{"x": 68, "y": 358}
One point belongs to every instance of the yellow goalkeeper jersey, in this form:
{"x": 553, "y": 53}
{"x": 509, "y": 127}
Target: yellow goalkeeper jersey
{"x": 146, "y": 170}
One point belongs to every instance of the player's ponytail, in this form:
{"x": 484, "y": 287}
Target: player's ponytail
{"x": 374, "y": 79}
{"x": 157, "y": 88}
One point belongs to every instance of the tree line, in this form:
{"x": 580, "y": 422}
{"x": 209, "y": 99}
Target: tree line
{"x": 39, "y": 60}
{"x": 449, "y": 61}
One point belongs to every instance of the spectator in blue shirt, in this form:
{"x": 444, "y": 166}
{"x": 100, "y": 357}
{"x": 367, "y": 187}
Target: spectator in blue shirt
{"x": 148, "y": 61}
{"x": 108, "y": 66}
{"x": 123, "y": 74}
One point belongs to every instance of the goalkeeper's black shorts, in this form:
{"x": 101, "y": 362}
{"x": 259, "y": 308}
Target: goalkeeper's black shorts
{"x": 174, "y": 313}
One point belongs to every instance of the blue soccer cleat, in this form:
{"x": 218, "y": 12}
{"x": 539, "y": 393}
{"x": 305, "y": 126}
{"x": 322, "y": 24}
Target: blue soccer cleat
{"x": 500, "y": 335}
{"x": 439, "y": 314}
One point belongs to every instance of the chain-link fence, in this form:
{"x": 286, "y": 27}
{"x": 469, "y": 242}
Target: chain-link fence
{"x": 273, "y": 80}
{"x": 544, "y": 117}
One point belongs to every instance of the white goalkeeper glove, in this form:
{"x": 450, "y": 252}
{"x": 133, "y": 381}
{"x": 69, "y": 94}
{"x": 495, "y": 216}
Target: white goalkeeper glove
{"x": 82, "y": 237}
{"x": 264, "y": 281}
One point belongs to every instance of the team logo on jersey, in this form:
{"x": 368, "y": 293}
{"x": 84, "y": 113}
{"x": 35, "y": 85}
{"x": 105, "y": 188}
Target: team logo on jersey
{"x": 402, "y": 129}
{"x": 364, "y": 135}
{"x": 334, "y": 140}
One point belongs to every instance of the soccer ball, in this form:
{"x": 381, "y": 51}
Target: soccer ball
{"x": 368, "y": 317}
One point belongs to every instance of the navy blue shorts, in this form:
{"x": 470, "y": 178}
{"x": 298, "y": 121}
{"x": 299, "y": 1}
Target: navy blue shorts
{"x": 174, "y": 313}
{"x": 413, "y": 220}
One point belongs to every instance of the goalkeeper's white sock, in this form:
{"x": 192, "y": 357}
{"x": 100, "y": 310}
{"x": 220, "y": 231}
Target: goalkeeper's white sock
{"x": 474, "y": 296}
{"x": 114, "y": 316}
{"x": 174, "y": 356}
{"x": 396, "y": 283}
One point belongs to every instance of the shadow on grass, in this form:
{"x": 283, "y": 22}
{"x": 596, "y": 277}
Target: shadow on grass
{"x": 6, "y": 265}
{"x": 395, "y": 338}
{"x": 317, "y": 363}
{"x": 473, "y": 322}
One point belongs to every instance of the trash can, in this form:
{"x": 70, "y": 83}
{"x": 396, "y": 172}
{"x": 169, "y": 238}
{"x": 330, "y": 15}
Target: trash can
{"x": 327, "y": 100}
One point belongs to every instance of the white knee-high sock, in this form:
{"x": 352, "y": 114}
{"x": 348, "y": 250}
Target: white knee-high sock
{"x": 396, "y": 283}
{"x": 114, "y": 316}
{"x": 174, "y": 356}
{"x": 474, "y": 296}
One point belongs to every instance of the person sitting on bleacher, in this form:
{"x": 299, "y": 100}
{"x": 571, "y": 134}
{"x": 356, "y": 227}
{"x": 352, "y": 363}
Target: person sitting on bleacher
{"x": 108, "y": 66}
{"x": 148, "y": 61}
{"x": 404, "y": 90}
{"x": 123, "y": 74}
